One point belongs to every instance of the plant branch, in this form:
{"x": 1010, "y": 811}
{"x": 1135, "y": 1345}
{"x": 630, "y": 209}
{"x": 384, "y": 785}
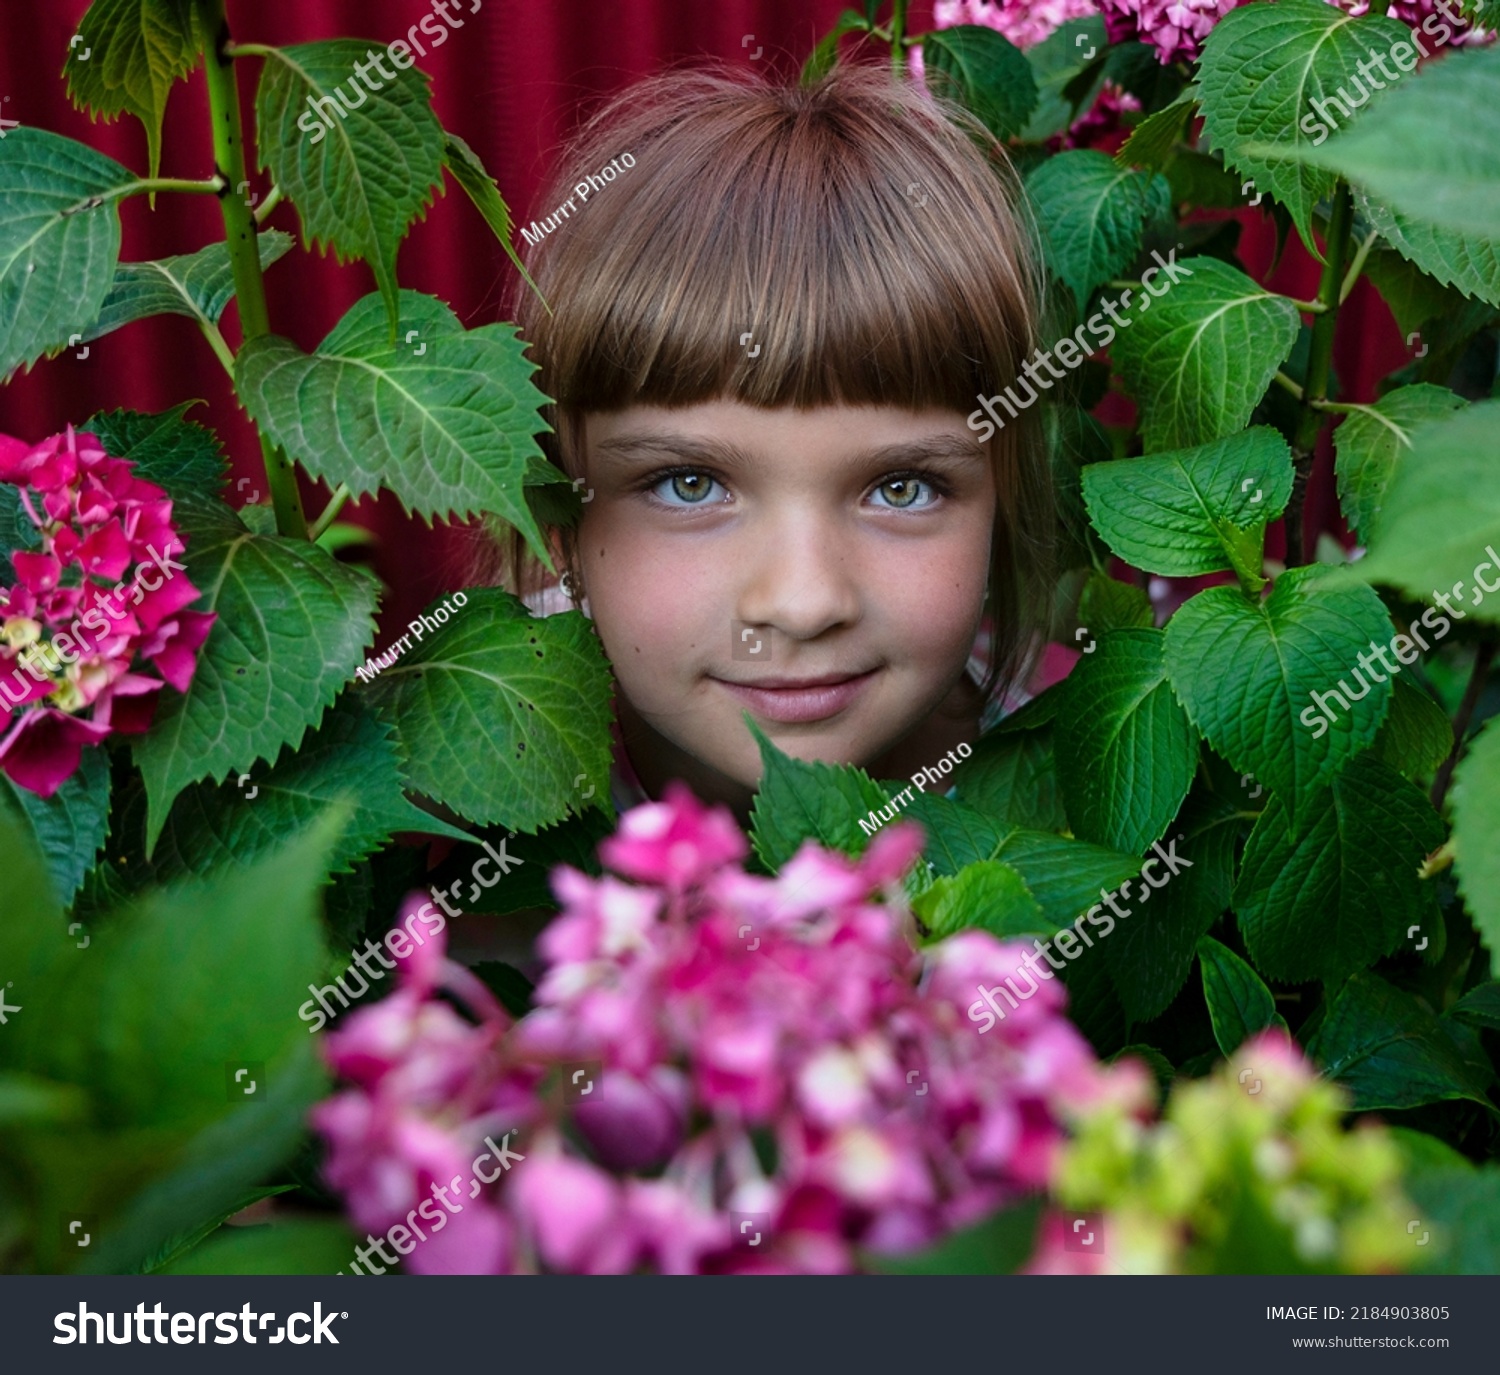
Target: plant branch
{"x": 216, "y": 342}
{"x": 264, "y": 209}
{"x": 1484, "y": 656}
{"x": 1308, "y": 307}
{"x": 330, "y": 513}
{"x": 212, "y": 187}
{"x": 1357, "y": 266}
{"x": 1319, "y": 369}
{"x": 1290, "y": 384}
{"x": 244, "y": 251}
{"x": 898, "y": 36}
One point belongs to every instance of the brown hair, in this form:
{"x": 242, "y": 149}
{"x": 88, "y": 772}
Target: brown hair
{"x": 866, "y": 234}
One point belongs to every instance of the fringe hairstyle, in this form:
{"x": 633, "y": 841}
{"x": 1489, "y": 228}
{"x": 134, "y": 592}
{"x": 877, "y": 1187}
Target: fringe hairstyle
{"x": 868, "y": 235}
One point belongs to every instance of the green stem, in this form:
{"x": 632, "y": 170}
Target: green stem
{"x": 1291, "y": 384}
{"x": 1309, "y": 307}
{"x": 898, "y": 45}
{"x": 330, "y": 513}
{"x": 1319, "y": 368}
{"x": 1357, "y": 266}
{"x": 1484, "y": 656}
{"x": 244, "y": 251}
{"x": 211, "y": 187}
{"x": 222, "y": 351}
{"x": 263, "y": 210}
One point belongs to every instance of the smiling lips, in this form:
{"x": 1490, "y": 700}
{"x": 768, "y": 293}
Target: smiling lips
{"x": 793, "y": 701}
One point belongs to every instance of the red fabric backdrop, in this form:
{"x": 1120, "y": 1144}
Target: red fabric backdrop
{"x": 513, "y": 81}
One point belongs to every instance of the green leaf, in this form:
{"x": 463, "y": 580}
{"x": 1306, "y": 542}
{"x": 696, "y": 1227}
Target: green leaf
{"x": 450, "y": 429}
{"x": 1442, "y": 514}
{"x": 801, "y": 800}
{"x": 1093, "y": 212}
{"x": 1262, "y": 68}
{"x": 1127, "y": 757}
{"x": 1202, "y": 358}
{"x": 179, "y": 456}
{"x": 292, "y": 625}
{"x": 1417, "y": 735}
{"x": 1065, "y": 876}
{"x": 1012, "y": 777}
{"x": 1466, "y": 262}
{"x": 464, "y": 164}
{"x": 1108, "y": 604}
{"x": 59, "y": 241}
{"x": 350, "y": 754}
{"x": 1476, "y": 823}
{"x": 1193, "y": 511}
{"x": 70, "y": 826}
{"x": 1370, "y": 440}
{"x": 1390, "y": 1052}
{"x": 503, "y": 717}
{"x": 1333, "y": 894}
{"x": 1153, "y": 143}
{"x": 1149, "y": 954}
{"x": 137, "y": 50}
{"x": 1462, "y": 1207}
{"x": 1479, "y": 1007}
{"x": 180, "y": 1245}
{"x": 988, "y": 896}
{"x": 199, "y": 285}
{"x": 1427, "y": 150}
{"x": 1239, "y": 1004}
{"x": 1055, "y": 63}
{"x": 1246, "y": 674}
{"x": 289, "y": 1246}
{"x": 360, "y": 182}
{"x": 1000, "y": 1245}
{"x": 825, "y": 54}
{"x": 985, "y": 72}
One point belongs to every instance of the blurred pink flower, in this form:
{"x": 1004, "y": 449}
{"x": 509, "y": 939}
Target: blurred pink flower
{"x": 769, "y": 1061}
{"x": 72, "y": 651}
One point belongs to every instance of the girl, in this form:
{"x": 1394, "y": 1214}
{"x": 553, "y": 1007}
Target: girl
{"x": 771, "y": 313}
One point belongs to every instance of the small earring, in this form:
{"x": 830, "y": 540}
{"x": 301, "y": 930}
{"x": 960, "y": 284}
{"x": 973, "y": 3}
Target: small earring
{"x": 568, "y": 589}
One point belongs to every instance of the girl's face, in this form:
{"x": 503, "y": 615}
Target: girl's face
{"x": 824, "y": 570}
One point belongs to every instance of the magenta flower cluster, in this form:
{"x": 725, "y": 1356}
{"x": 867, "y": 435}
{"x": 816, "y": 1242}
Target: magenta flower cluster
{"x": 1175, "y": 28}
{"x": 96, "y": 622}
{"x": 1025, "y": 22}
{"x": 721, "y": 1073}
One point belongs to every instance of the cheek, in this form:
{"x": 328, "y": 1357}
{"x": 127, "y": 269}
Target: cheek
{"x": 932, "y": 601}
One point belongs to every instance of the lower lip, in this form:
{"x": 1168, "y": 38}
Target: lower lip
{"x": 794, "y": 706}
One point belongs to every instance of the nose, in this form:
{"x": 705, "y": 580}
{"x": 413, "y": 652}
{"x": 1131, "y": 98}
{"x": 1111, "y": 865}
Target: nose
{"x": 799, "y": 576}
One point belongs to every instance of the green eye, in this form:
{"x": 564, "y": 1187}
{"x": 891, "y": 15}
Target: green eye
{"x": 692, "y": 488}
{"x": 903, "y": 493}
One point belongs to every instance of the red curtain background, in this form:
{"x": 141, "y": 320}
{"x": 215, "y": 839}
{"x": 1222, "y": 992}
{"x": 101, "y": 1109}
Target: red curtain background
{"x": 513, "y": 81}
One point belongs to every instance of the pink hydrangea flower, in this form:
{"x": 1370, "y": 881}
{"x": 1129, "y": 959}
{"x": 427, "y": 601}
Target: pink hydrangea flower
{"x": 1025, "y": 22}
{"x": 722, "y": 1072}
{"x": 75, "y": 650}
{"x": 1175, "y": 28}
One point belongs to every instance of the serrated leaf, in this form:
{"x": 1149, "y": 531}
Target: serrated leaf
{"x": 985, "y": 72}
{"x": 1193, "y": 511}
{"x": 1479, "y": 1006}
{"x": 468, "y": 171}
{"x": 1262, "y": 67}
{"x": 292, "y": 625}
{"x": 360, "y": 183}
{"x": 1246, "y": 674}
{"x": 1369, "y": 441}
{"x": 137, "y": 50}
{"x": 1467, "y": 262}
{"x": 59, "y": 241}
{"x": 1476, "y": 824}
{"x": 1441, "y": 514}
{"x": 987, "y": 896}
{"x": 450, "y": 430}
{"x": 1427, "y": 150}
{"x": 1126, "y": 758}
{"x": 199, "y": 285}
{"x": 184, "y": 459}
{"x": 1200, "y": 359}
{"x": 1107, "y": 604}
{"x": 1389, "y": 1051}
{"x": 1417, "y": 735}
{"x": 1012, "y": 777}
{"x": 1065, "y": 876}
{"x": 1239, "y": 1004}
{"x": 351, "y": 754}
{"x": 69, "y": 827}
{"x": 800, "y": 800}
{"x": 503, "y": 717}
{"x": 1055, "y": 63}
{"x": 1153, "y": 142}
{"x": 1333, "y": 894}
{"x": 1093, "y": 213}
{"x": 1149, "y": 954}
{"x": 1413, "y": 296}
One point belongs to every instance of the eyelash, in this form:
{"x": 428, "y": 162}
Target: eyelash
{"x": 939, "y": 486}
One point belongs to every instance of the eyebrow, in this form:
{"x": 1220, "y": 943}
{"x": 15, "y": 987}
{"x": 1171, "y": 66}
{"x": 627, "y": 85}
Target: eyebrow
{"x": 643, "y": 448}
